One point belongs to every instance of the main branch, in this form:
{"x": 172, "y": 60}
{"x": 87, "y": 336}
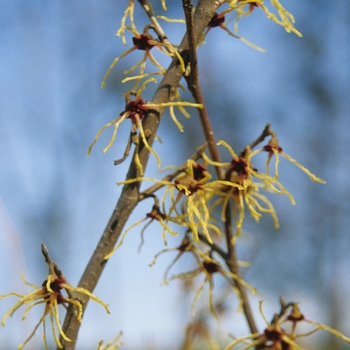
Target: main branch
{"x": 130, "y": 193}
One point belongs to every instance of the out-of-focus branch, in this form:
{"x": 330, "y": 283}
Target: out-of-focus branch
{"x": 130, "y": 193}
{"x": 215, "y": 247}
{"x": 266, "y": 132}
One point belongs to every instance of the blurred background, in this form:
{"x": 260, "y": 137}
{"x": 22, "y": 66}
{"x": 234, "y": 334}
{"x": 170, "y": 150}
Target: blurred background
{"x": 54, "y": 55}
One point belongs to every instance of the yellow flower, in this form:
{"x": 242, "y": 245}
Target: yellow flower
{"x": 275, "y": 337}
{"x": 135, "y": 110}
{"x": 283, "y": 17}
{"x": 198, "y": 336}
{"x": 273, "y": 148}
{"x": 50, "y": 295}
{"x": 218, "y": 20}
{"x": 241, "y": 171}
{"x": 193, "y": 185}
{"x": 143, "y": 42}
{"x": 208, "y": 266}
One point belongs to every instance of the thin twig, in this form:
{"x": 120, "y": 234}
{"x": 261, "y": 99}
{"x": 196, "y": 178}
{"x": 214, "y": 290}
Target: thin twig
{"x": 194, "y": 86}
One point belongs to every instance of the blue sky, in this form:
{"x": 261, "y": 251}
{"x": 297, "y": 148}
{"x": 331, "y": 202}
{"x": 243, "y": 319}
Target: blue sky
{"x": 54, "y": 55}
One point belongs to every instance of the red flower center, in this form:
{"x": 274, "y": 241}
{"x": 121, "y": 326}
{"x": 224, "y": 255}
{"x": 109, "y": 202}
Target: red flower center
{"x": 142, "y": 42}
{"x": 210, "y": 267}
{"x": 273, "y": 334}
{"x": 156, "y": 213}
{"x": 269, "y": 148}
{"x": 134, "y": 108}
{"x": 199, "y": 171}
{"x": 55, "y": 285}
{"x": 240, "y": 166}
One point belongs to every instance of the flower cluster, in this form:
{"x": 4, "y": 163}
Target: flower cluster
{"x": 191, "y": 199}
{"x": 194, "y": 195}
{"x": 279, "y": 14}
{"x": 143, "y": 42}
{"x": 154, "y": 214}
{"x": 242, "y": 172}
{"x": 195, "y": 186}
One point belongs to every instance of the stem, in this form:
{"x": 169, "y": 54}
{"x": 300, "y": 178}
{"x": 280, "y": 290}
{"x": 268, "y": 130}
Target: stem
{"x": 232, "y": 263}
{"x": 130, "y": 193}
{"x": 194, "y": 86}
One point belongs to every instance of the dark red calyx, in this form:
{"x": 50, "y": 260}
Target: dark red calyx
{"x": 273, "y": 334}
{"x": 142, "y": 42}
{"x": 240, "y": 166}
{"x": 295, "y": 317}
{"x": 134, "y": 108}
{"x": 269, "y": 148}
{"x": 251, "y": 5}
{"x": 199, "y": 171}
{"x": 55, "y": 285}
{"x": 156, "y": 213}
{"x": 211, "y": 267}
